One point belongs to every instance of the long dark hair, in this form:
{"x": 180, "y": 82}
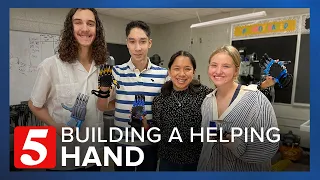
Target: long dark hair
{"x": 193, "y": 86}
{"x": 68, "y": 47}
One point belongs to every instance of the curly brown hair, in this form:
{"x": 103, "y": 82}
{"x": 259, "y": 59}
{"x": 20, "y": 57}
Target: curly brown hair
{"x": 68, "y": 47}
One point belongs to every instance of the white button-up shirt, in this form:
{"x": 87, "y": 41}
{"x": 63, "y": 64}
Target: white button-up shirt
{"x": 60, "y": 82}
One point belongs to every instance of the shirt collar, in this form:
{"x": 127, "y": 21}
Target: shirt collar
{"x": 213, "y": 93}
{"x": 132, "y": 67}
{"x": 93, "y": 67}
{"x": 251, "y": 87}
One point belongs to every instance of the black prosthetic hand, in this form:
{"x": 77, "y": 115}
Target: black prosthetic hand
{"x": 137, "y": 112}
{"x": 105, "y": 79}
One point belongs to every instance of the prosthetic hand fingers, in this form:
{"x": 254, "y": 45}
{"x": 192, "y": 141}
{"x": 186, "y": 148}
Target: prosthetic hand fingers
{"x": 135, "y": 102}
{"x": 86, "y": 99}
{"x": 115, "y": 82}
{"x": 105, "y": 77}
{"x": 104, "y": 80}
{"x": 78, "y": 111}
{"x": 109, "y": 69}
{"x": 82, "y": 114}
{"x": 66, "y": 107}
{"x": 143, "y": 98}
{"x": 84, "y": 107}
{"x": 285, "y": 81}
{"x": 78, "y": 105}
{"x": 78, "y": 98}
{"x": 137, "y": 112}
{"x": 75, "y": 108}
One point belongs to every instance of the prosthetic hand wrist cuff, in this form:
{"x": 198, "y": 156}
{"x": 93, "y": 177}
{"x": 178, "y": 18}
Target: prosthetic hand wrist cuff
{"x": 101, "y": 94}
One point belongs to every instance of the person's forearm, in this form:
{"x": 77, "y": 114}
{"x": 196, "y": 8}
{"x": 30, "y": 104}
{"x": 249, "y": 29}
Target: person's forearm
{"x": 264, "y": 85}
{"x": 145, "y": 125}
{"x": 104, "y": 104}
{"x": 42, "y": 114}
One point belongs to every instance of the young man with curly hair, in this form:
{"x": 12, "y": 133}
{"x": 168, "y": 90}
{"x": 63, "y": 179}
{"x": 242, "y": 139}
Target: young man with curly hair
{"x": 67, "y": 78}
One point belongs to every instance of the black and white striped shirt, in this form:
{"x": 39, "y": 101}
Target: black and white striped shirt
{"x": 251, "y": 109}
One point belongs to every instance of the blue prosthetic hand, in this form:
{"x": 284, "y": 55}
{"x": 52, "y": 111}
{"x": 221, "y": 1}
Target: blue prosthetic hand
{"x": 78, "y": 111}
{"x": 137, "y": 112}
{"x": 105, "y": 79}
{"x": 275, "y": 69}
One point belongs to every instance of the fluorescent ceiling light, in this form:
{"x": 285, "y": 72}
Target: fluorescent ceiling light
{"x": 230, "y": 19}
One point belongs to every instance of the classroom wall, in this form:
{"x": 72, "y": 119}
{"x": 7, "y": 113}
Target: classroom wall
{"x": 45, "y": 20}
{"x": 177, "y": 36}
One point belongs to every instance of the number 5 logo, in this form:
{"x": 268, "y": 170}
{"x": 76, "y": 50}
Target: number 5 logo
{"x": 35, "y": 147}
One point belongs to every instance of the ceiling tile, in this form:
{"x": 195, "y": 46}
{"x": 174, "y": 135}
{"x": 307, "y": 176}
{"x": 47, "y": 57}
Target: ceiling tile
{"x": 120, "y": 12}
{"x": 162, "y": 15}
{"x": 180, "y": 17}
{"x": 141, "y": 10}
{"x": 142, "y": 17}
{"x": 185, "y": 10}
{"x": 205, "y": 12}
{"x": 164, "y": 12}
{"x": 161, "y": 21}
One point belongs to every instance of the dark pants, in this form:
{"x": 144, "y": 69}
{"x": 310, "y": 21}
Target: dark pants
{"x": 92, "y": 168}
{"x": 149, "y": 163}
{"x": 170, "y": 166}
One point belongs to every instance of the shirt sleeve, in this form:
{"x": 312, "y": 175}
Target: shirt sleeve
{"x": 41, "y": 88}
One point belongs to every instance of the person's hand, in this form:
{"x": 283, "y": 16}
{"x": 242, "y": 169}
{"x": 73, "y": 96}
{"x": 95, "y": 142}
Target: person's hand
{"x": 269, "y": 82}
{"x": 145, "y": 122}
{"x": 228, "y": 137}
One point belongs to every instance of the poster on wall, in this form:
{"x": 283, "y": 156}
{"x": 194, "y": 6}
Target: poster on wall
{"x": 268, "y": 27}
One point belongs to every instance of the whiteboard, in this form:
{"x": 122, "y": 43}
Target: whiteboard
{"x": 27, "y": 51}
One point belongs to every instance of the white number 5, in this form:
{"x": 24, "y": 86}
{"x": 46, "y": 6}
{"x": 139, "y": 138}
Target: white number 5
{"x": 26, "y": 159}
